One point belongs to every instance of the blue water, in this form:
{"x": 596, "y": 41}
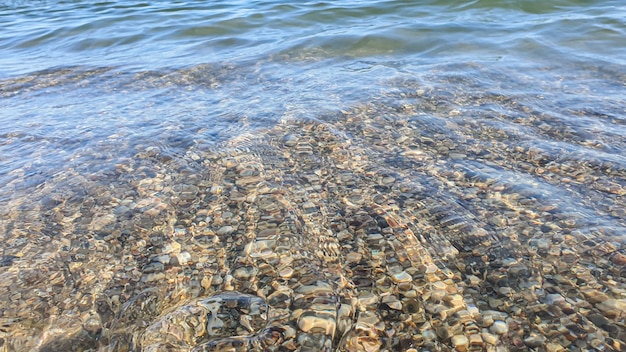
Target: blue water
{"x": 87, "y": 85}
{"x": 135, "y": 35}
{"x": 72, "y": 69}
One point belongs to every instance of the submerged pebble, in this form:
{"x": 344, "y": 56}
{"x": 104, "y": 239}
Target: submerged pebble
{"x": 374, "y": 230}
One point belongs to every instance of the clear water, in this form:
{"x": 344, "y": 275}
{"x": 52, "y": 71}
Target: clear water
{"x": 86, "y": 85}
{"x": 71, "y": 70}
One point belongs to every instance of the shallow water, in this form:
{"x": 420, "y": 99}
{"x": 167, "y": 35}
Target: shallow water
{"x": 401, "y": 174}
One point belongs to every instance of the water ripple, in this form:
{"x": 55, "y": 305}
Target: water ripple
{"x": 84, "y": 32}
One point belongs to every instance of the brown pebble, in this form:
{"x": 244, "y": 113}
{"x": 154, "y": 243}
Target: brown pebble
{"x": 460, "y": 342}
{"x": 619, "y": 259}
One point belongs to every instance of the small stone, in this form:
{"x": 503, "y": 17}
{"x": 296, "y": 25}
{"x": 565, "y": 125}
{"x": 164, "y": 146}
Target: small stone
{"x": 534, "y": 341}
{"x": 439, "y": 285}
{"x": 353, "y": 257}
{"x": 228, "y": 283}
{"x": 460, "y": 342}
{"x": 431, "y": 269}
{"x": 93, "y": 325}
{"x": 456, "y": 301}
{"x": 595, "y": 296}
{"x": 290, "y": 140}
{"x": 473, "y": 310}
{"x": 619, "y": 259}
{"x": 473, "y": 280}
{"x": 598, "y": 319}
{"x": 160, "y": 276}
{"x": 597, "y": 344}
{"x": 613, "y": 308}
{"x": 165, "y": 259}
{"x": 153, "y": 267}
{"x": 279, "y": 299}
{"x": 464, "y": 315}
{"x": 388, "y": 180}
{"x": 216, "y": 189}
{"x": 99, "y": 221}
{"x": 316, "y": 323}
{"x": 486, "y": 321}
{"x": 617, "y": 345}
{"x": 568, "y": 256}
{"x": 286, "y": 272}
{"x": 410, "y": 294}
{"x": 182, "y": 258}
{"x": 457, "y": 156}
{"x": 555, "y": 251}
{"x": 392, "y": 302}
{"x": 429, "y": 335}
{"x": 400, "y": 277}
{"x": 397, "y": 305}
{"x": 205, "y": 283}
{"x": 225, "y": 230}
{"x": 554, "y": 347}
{"x": 498, "y": 221}
{"x": 121, "y": 210}
{"x": 374, "y": 237}
{"x": 495, "y": 302}
{"x": 489, "y": 338}
{"x": 217, "y": 280}
{"x": 367, "y": 299}
{"x": 554, "y": 298}
{"x": 438, "y": 295}
{"x": 499, "y": 327}
{"x": 244, "y": 273}
{"x": 475, "y": 340}
{"x": 506, "y": 291}
{"x": 171, "y": 247}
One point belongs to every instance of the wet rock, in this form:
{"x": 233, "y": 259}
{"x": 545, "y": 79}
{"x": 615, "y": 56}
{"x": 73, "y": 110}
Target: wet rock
{"x": 225, "y": 230}
{"x": 460, "y": 342}
{"x": 401, "y": 277}
{"x": 499, "y": 327}
{"x": 7, "y": 260}
{"x": 535, "y": 341}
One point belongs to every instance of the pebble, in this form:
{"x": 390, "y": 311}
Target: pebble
{"x": 473, "y": 280}
{"x": 499, "y": 327}
{"x": 456, "y": 301}
{"x": 554, "y": 347}
{"x": 476, "y": 341}
{"x": 489, "y": 338}
{"x": 460, "y": 342}
{"x": 554, "y": 299}
{"x": 205, "y": 282}
{"x": 244, "y": 273}
{"x": 171, "y": 247}
{"x": 613, "y": 308}
{"x": 619, "y": 259}
{"x": 367, "y": 299}
{"x": 392, "y": 302}
{"x": 317, "y": 323}
{"x": 225, "y": 230}
{"x": 182, "y": 258}
{"x": 353, "y": 257}
{"x": 535, "y": 341}
{"x": 401, "y": 277}
{"x": 457, "y": 156}
{"x": 286, "y": 272}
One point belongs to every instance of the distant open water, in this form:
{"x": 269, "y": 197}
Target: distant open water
{"x": 83, "y": 80}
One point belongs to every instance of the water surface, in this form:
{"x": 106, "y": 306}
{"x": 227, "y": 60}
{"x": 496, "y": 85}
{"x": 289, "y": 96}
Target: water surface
{"x": 147, "y": 148}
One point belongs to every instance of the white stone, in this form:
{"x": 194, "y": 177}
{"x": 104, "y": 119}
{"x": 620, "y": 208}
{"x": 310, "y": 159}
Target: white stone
{"x": 460, "y": 342}
{"x": 499, "y": 327}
